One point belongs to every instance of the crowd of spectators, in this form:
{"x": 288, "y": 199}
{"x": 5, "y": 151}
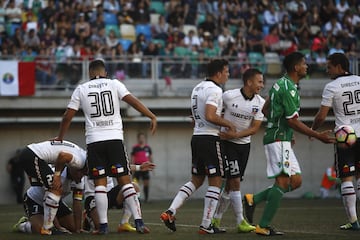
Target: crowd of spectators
{"x": 78, "y": 29}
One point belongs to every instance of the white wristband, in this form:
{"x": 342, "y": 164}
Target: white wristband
{"x": 137, "y": 167}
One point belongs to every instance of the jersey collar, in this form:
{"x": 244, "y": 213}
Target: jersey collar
{"x": 210, "y": 80}
{"x": 343, "y": 75}
{"x": 244, "y": 95}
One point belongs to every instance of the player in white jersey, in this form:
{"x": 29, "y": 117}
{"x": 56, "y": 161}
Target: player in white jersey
{"x": 67, "y": 220}
{"x": 207, "y": 157}
{"x": 35, "y": 159}
{"x": 115, "y": 200}
{"x": 342, "y": 95}
{"x": 100, "y": 100}
{"x": 243, "y": 108}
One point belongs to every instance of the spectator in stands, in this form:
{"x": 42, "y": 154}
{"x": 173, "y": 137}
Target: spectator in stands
{"x": 32, "y": 40}
{"x": 18, "y": 38}
{"x": 351, "y": 22}
{"x": 81, "y": 28}
{"x": 142, "y": 14}
{"x": 338, "y": 48}
{"x": 44, "y": 70}
{"x": 207, "y": 26}
{"x": 240, "y": 42}
{"x": 49, "y": 11}
{"x": 297, "y": 18}
{"x": 319, "y": 42}
{"x": 286, "y": 28}
{"x": 135, "y": 56}
{"x": 272, "y": 40}
{"x": 224, "y": 38}
{"x": 161, "y": 29}
{"x": 112, "y": 6}
{"x": 234, "y": 15}
{"x": 111, "y": 39}
{"x": 13, "y": 13}
{"x": 63, "y": 22}
{"x": 48, "y": 38}
{"x": 191, "y": 40}
{"x": 313, "y": 17}
{"x": 36, "y": 7}
{"x": 149, "y": 53}
{"x": 333, "y": 27}
{"x": 255, "y": 41}
{"x": 293, "y": 6}
{"x": 2, "y": 16}
{"x": 176, "y": 18}
{"x": 342, "y": 6}
{"x": 99, "y": 21}
{"x": 270, "y": 16}
{"x": 204, "y": 7}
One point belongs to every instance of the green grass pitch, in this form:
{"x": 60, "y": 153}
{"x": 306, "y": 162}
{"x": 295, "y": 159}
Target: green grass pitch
{"x": 299, "y": 218}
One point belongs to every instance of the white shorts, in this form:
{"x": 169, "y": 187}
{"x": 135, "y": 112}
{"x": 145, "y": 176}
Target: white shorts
{"x": 281, "y": 159}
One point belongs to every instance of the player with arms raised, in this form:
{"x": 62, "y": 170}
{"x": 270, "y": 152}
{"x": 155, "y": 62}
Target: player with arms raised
{"x": 342, "y": 95}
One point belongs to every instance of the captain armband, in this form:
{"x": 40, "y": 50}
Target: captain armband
{"x": 78, "y": 194}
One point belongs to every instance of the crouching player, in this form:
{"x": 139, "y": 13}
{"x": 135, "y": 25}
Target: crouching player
{"x": 115, "y": 200}
{"x": 67, "y": 220}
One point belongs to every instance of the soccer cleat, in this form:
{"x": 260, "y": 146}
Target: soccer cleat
{"x": 211, "y": 230}
{"x": 103, "y": 229}
{"x": 216, "y": 222}
{"x": 51, "y": 231}
{"x": 267, "y": 231}
{"x": 15, "y": 228}
{"x": 140, "y": 227}
{"x": 126, "y": 227}
{"x": 245, "y": 227}
{"x": 169, "y": 220}
{"x": 351, "y": 226}
{"x": 249, "y": 207}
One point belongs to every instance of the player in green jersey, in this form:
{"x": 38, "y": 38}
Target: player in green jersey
{"x": 282, "y": 111}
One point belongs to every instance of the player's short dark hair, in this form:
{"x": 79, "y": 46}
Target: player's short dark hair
{"x": 291, "y": 60}
{"x": 97, "y": 65}
{"x": 339, "y": 59}
{"x": 215, "y": 66}
{"x": 250, "y": 73}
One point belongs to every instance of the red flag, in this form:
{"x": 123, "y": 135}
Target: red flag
{"x": 17, "y": 78}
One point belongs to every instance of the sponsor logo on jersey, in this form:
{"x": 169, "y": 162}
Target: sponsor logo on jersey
{"x": 292, "y": 93}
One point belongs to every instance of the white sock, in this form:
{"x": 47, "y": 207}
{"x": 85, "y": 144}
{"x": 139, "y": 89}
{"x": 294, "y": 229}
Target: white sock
{"x": 349, "y": 200}
{"x": 101, "y": 202}
{"x": 126, "y": 214}
{"x": 210, "y": 202}
{"x": 131, "y": 200}
{"x": 25, "y": 227}
{"x": 236, "y": 202}
{"x": 184, "y": 193}
{"x": 223, "y": 205}
{"x": 51, "y": 205}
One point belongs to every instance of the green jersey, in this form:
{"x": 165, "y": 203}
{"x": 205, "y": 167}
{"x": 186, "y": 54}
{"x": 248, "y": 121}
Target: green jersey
{"x": 284, "y": 104}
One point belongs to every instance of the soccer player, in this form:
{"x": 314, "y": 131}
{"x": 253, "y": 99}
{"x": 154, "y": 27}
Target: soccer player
{"x": 342, "y": 95}
{"x": 282, "y": 111}
{"x": 206, "y": 147}
{"x": 243, "y": 108}
{"x": 67, "y": 220}
{"x": 141, "y": 152}
{"x": 35, "y": 159}
{"x": 115, "y": 200}
{"x": 100, "y": 100}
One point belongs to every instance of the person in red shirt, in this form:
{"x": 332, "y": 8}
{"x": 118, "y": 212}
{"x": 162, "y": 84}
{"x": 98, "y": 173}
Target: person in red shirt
{"x": 328, "y": 182}
{"x": 141, "y": 152}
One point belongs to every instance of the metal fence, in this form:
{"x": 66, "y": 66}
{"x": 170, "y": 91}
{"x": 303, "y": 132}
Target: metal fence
{"x": 165, "y": 76}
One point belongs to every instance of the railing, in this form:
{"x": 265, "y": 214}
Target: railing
{"x": 164, "y": 76}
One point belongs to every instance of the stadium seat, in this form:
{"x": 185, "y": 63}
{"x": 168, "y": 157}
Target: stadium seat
{"x": 127, "y": 31}
{"x": 110, "y": 18}
{"x": 112, "y": 27}
{"x": 144, "y": 29}
{"x": 157, "y": 7}
{"x": 200, "y": 18}
{"x": 125, "y": 43}
{"x": 188, "y": 27}
{"x": 257, "y": 60}
{"x": 273, "y": 62}
{"x": 159, "y": 42}
{"x": 154, "y": 18}
{"x": 181, "y": 51}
